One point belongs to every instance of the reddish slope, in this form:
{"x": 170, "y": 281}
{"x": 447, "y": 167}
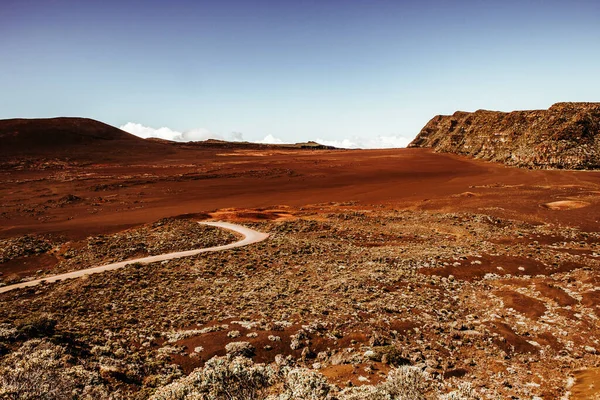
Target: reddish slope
{"x": 70, "y": 137}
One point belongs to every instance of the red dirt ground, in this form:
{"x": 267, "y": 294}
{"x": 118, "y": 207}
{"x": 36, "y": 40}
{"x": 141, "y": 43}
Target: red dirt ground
{"x": 119, "y": 194}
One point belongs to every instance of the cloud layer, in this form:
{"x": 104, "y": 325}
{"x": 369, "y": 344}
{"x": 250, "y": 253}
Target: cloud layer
{"x": 270, "y": 139}
{"x": 169, "y": 134}
{"x": 378, "y": 142}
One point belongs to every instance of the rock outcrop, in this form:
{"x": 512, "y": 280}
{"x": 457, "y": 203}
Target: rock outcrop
{"x": 567, "y": 135}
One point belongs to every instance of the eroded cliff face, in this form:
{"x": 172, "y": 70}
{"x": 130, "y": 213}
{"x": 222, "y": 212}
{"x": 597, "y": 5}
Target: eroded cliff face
{"x": 567, "y": 135}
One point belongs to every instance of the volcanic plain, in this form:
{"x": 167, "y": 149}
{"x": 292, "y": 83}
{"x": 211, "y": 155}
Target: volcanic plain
{"x": 474, "y": 272}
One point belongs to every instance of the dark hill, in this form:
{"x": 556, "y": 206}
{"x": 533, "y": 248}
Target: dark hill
{"x": 567, "y": 135}
{"x": 223, "y": 144}
{"x": 71, "y": 137}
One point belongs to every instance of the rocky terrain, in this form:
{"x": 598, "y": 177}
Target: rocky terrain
{"x": 566, "y": 136}
{"x": 342, "y": 291}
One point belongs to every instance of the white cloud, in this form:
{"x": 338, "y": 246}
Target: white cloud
{"x": 270, "y": 139}
{"x": 169, "y": 134}
{"x": 199, "y": 134}
{"x": 379, "y": 142}
{"x": 342, "y": 144}
{"x": 196, "y": 135}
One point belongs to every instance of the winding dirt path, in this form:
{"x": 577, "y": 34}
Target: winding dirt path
{"x": 250, "y": 236}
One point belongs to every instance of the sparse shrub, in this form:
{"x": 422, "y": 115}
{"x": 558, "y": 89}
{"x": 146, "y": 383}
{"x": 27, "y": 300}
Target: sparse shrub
{"x": 392, "y": 355}
{"x": 36, "y": 325}
{"x": 406, "y": 383}
{"x": 302, "y": 383}
{"x": 377, "y": 339}
{"x": 23, "y": 246}
{"x": 234, "y": 378}
{"x": 175, "y": 336}
{"x": 7, "y": 332}
{"x": 168, "y": 349}
{"x": 221, "y": 378}
{"x": 40, "y": 370}
{"x": 12, "y": 279}
{"x": 240, "y": 349}
{"x": 366, "y": 392}
{"x": 464, "y": 392}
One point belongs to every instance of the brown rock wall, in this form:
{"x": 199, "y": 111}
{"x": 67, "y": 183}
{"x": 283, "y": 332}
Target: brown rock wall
{"x": 567, "y": 135}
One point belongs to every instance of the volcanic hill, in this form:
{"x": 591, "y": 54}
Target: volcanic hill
{"x": 566, "y": 136}
{"x": 75, "y": 138}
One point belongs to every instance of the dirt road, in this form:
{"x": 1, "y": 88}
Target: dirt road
{"x": 250, "y": 236}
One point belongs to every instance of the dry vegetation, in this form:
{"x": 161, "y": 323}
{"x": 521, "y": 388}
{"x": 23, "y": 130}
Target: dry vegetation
{"x": 29, "y": 256}
{"x": 341, "y": 302}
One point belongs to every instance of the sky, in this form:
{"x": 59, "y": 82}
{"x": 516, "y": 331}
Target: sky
{"x": 351, "y": 73}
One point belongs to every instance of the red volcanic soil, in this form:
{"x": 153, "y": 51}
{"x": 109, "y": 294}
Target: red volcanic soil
{"x": 476, "y": 268}
{"x": 121, "y": 180}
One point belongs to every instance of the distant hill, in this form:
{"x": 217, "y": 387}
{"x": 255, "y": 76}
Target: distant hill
{"x": 223, "y": 144}
{"x": 88, "y": 139}
{"x": 567, "y": 135}
{"x": 70, "y": 137}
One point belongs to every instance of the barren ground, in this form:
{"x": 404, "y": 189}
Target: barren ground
{"x": 473, "y": 271}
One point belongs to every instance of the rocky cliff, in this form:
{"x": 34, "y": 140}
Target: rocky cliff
{"x": 567, "y": 135}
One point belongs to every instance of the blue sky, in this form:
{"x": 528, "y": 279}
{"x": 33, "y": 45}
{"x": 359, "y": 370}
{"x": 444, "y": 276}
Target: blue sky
{"x": 371, "y": 73}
